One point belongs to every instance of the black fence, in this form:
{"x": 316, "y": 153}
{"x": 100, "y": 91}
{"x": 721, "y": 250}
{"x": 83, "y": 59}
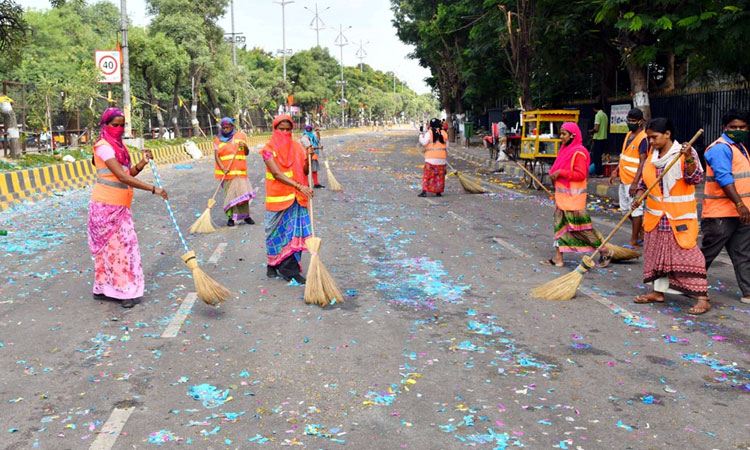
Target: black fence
{"x": 689, "y": 111}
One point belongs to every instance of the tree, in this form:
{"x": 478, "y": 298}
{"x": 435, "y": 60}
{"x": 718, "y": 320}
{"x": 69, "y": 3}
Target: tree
{"x": 13, "y": 29}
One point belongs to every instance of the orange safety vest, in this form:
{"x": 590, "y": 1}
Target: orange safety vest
{"x": 630, "y": 158}
{"x": 715, "y": 200}
{"x": 108, "y": 188}
{"x": 680, "y": 207}
{"x": 238, "y": 167}
{"x": 437, "y": 150}
{"x": 571, "y": 198}
{"x": 280, "y": 196}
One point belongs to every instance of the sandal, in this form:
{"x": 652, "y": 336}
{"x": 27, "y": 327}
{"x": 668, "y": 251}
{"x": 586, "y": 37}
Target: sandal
{"x": 648, "y": 298}
{"x": 550, "y": 262}
{"x": 697, "y": 311}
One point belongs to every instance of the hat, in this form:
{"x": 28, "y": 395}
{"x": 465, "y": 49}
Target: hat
{"x": 308, "y": 127}
{"x": 636, "y": 114}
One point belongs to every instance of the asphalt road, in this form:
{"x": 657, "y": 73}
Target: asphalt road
{"x": 437, "y": 345}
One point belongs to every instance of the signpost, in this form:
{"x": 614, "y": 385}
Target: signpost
{"x": 618, "y": 120}
{"x": 108, "y": 63}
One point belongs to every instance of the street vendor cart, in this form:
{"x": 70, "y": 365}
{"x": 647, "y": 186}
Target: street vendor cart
{"x": 540, "y": 140}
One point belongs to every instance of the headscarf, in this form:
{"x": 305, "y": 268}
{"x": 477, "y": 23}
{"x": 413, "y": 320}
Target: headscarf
{"x": 566, "y": 153}
{"x": 436, "y": 126}
{"x": 113, "y": 135}
{"x": 224, "y": 137}
{"x": 312, "y": 137}
{"x": 282, "y": 142}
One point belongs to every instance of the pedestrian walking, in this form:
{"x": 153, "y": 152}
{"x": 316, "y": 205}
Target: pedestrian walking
{"x": 287, "y": 194}
{"x": 118, "y": 273}
{"x": 726, "y": 201}
{"x": 635, "y": 150}
{"x": 599, "y": 136}
{"x": 230, "y": 155}
{"x": 435, "y": 142}
{"x": 574, "y": 230}
{"x": 311, "y": 139}
{"x": 672, "y": 259}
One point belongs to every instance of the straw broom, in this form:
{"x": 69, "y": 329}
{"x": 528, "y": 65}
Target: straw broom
{"x": 320, "y": 289}
{"x": 618, "y": 253}
{"x": 565, "y": 287}
{"x": 469, "y": 185}
{"x": 332, "y": 183}
{"x": 204, "y": 224}
{"x": 211, "y": 292}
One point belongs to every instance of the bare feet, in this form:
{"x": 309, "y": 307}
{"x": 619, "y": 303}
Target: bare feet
{"x": 654, "y": 297}
{"x": 702, "y": 307}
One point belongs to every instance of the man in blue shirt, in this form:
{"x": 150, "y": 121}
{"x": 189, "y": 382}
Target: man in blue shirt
{"x": 726, "y": 204}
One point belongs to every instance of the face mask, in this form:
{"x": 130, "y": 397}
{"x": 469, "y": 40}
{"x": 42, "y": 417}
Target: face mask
{"x": 633, "y": 126}
{"x": 737, "y": 136}
{"x": 115, "y": 132}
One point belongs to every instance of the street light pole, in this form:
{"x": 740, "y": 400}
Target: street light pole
{"x": 342, "y": 41}
{"x": 234, "y": 50}
{"x": 125, "y": 69}
{"x": 283, "y": 4}
{"x": 317, "y": 23}
{"x": 361, "y": 53}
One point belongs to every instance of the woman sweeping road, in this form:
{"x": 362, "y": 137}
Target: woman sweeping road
{"x": 311, "y": 138}
{"x": 112, "y": 240}
{"x": 435, "y": 142}
{"x": 230, "y": 151}
{"x": 574, "y": 231}
{"x": 672, "y": 259}
{"x": 287, "y": 193}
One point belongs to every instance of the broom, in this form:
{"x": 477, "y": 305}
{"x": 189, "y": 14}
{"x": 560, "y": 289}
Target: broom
{"x": 332, "y": 183}
{"x": 469, "y": 185}
{"x": 618, "y": 253}
{"x": 204, "y": 224}
{"x": 211, "y": 292}
{"x": 565, "y": 287}
{"x": 320, "y": 289}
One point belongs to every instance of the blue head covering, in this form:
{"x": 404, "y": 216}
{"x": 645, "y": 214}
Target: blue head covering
{"x": 313, "y": 138}
{"x": 226, "y": 137}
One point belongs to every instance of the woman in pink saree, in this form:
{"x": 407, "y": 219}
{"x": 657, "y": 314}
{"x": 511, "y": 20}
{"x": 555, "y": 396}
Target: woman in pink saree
{"x": 111, "y": 232}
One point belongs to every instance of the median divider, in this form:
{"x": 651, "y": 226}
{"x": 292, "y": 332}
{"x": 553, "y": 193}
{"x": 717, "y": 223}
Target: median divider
{"x": 40, "y": 182}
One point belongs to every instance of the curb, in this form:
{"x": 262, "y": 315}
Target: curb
{"x": 41, "y": 182}
{"x": 599, "y": 190}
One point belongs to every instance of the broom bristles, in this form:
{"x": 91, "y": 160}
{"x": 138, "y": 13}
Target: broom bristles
{"x": 333, "y": 184}
{"x": 203, "y": 224}
{"x": 470, "y": 185}
{"x": 320, "y": 288}
{"x": 622, "y": 253}
{"x": 211, "y": 292}
{"x": 564, "y": 287}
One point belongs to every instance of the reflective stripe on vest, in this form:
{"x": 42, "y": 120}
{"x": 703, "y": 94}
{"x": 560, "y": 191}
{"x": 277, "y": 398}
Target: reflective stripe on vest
{"x": 280, "y": 198}
{"x": 231, "y": 173}
{"x": 715, "y": 200}
{"x": 237, "y": 157}
{"x": 680, "y": 207}
{"x": 114, "y": 184}
{"x": 630, "y": 157}
{"x": 269, "y": 175}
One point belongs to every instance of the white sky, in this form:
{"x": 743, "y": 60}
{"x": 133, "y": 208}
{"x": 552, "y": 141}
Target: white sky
{"x": 260, "y": 20}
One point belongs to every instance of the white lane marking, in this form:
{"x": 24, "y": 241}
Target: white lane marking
{"x": 608, "y": 303}
{"x": 214, "y": 259}
{"x": 510, "y": 247}
{"x": 431, "y": 201}
{"x": 174, "y": 325}
{"x": 111, "y": 429}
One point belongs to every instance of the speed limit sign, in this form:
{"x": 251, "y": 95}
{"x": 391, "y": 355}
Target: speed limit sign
{"x": 108, "y": 63}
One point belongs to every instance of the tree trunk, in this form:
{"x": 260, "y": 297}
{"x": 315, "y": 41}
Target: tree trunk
{"x": 11, "y": 129}
{"x": 668, "y": 84}
{"x": 176, "y": 107}
{"x": 194, "y": 103}
{"x": 639, "y": 88}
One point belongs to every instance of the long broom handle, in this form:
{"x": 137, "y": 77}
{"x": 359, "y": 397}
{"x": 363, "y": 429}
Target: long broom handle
{"x": 645, "y": 193}
{"x": 310, "y": 200}
{"x": 169, "y": 208}
{"x": 528, "y": 172}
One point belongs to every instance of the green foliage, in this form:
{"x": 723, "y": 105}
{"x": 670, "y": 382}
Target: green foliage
{"x": 13, "y": 29}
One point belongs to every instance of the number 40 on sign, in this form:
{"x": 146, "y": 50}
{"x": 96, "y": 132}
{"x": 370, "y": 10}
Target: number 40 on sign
{"x": 108, "y": 63}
